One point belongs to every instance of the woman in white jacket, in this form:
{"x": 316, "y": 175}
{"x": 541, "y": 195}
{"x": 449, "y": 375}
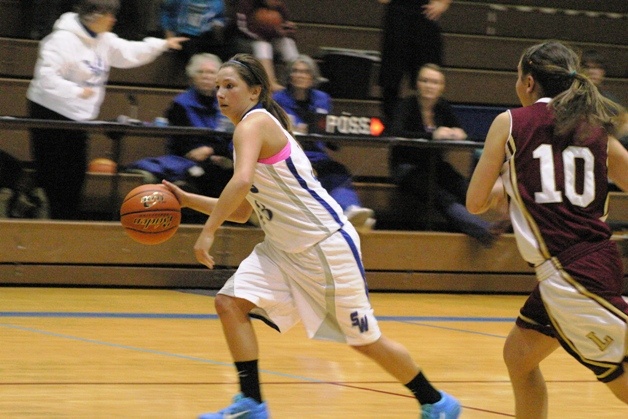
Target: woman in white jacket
{"x": 69, "y": 84}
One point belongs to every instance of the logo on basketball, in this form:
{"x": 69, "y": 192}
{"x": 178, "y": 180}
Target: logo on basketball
{"x": 152, "y": 199}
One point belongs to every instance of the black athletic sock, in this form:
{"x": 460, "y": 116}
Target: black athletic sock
{"x": 249, "y": 379}
{"x": 424, "y": 392}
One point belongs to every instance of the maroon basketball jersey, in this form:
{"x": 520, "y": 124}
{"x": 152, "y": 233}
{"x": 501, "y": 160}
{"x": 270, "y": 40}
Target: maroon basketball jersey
{"x": 558, "y": 186}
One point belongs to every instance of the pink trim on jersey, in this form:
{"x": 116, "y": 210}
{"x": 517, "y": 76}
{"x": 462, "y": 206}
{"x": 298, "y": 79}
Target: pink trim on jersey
{"x": 281, "y": 156}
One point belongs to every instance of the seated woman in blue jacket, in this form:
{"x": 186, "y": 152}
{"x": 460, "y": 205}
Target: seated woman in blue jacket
{"x": 198, "y": 107}
{"x": 304, "y": 104}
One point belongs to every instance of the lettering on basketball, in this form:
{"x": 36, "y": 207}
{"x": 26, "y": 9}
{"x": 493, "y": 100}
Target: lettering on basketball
{"x": 602, "y": 344}
{"x": 361, "y": 322}
{"x": 152, "y": 199}
{"x": 162, "y": 221}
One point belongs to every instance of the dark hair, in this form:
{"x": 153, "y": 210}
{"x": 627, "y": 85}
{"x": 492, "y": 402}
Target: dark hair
{"x": 87, "y": 8}
{"x": 252, "y": 72}
{"x": 592, "y": 58}
{"x": 554, "y": 66}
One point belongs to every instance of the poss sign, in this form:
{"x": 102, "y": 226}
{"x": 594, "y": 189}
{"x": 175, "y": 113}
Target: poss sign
{"x": 353, "y": 125}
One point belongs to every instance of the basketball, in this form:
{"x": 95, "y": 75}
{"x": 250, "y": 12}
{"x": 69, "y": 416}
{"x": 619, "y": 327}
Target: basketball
{"x": 267, "y": 18}
{"x": 102, "y": 165}
{"x": 150, "y": 214}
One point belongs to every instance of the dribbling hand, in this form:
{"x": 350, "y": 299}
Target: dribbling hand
{"x": 178, "y": 192}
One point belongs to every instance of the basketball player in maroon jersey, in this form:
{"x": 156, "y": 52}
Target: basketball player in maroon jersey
{"x": 553, "y": 157}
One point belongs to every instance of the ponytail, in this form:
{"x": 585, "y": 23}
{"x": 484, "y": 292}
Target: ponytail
{"x": 575, "y": 99}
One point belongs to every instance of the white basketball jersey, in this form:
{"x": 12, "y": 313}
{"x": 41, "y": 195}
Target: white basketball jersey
{"x": 294, "y": 210}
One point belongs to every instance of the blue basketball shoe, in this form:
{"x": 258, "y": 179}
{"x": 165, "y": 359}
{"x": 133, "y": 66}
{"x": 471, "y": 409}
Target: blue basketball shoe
{"x": 241, "y": 408}
{"x": 446, "y": 408}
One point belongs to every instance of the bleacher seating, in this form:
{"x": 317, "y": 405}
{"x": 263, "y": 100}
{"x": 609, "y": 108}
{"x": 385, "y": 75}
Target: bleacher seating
{"x": 482, "y": 43}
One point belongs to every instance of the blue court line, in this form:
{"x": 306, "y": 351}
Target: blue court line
{"x": 150, "y": 351}
{"x": 185, "y": 316}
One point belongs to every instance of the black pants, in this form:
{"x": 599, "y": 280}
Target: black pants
{"x": 60, "y": 161}
{"x": 449, "y": 196}
{"x": 410, "y": 40}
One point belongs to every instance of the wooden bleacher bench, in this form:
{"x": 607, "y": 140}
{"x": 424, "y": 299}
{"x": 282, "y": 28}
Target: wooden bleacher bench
{"x": 96, "y": 197}
{"x": 618, "y": 211}
{"x": 396, "y": 210}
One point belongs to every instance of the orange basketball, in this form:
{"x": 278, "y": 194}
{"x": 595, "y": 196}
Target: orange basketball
{"x": 267, "y": 18}
{"x": 102, "y": 165}
{"x": 150, "y": 214}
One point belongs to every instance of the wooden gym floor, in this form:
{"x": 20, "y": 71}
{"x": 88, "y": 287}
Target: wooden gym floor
{"x": 140, "y": 353}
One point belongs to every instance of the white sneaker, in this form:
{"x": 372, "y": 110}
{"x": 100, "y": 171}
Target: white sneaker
{"x": 358, "y": 216}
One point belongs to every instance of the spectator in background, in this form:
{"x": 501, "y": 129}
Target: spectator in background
{"x": 262, "y": 28}
{"x": 69, "y": 84}
{"x": 198, "y": 107}
{"x": 428, "y": 115}
{"x": 411, "y": 38}
{"x": 304, "y": 104}
{"x": 203, "y": 21}
{"x": 594, "y": 66}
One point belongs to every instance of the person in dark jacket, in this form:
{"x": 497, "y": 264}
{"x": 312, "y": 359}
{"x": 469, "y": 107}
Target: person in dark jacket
{"x": 428, "y": 115}
{"x": 411, "y": 37}
{"x": 197, "y": 107}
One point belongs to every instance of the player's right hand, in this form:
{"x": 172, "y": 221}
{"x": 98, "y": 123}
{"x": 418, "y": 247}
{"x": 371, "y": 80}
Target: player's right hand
{"x": 178, "y": 192}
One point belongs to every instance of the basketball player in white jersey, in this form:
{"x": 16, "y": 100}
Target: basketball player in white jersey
{"x": 309, "y": 266}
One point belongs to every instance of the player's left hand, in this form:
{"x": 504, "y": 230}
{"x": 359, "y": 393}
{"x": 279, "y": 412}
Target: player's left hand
{"x": 201, "y": 249}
